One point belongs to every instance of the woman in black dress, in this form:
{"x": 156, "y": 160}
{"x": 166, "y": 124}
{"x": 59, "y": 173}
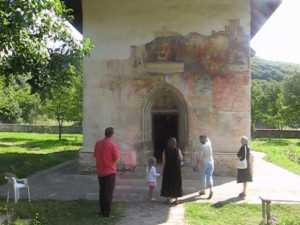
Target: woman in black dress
{"x": 244, "y": 175}
{"x": 171, "y": 181}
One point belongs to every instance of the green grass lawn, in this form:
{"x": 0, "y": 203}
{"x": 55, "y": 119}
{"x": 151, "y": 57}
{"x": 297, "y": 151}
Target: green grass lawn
{"x": 62, "y": 213}
{"x": 239, "y": 214}
{"x": 25, "y": 153}
{"x": 282, "y": 152}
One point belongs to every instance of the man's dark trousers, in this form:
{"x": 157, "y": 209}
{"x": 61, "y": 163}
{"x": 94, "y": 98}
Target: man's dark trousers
{"x": 106, "y": 189}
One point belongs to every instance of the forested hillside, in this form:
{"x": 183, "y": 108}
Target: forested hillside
{"x": 268, "y": 70}
{"x": 275, "y": 99}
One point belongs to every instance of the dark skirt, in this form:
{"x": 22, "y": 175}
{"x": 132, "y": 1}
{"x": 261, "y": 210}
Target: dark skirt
{"x": 171, "y": 181}
{"x": 171, "y": 186}
{"x": 244, "y": 175}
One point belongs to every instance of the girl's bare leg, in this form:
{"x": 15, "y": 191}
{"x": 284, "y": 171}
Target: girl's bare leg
{"x": 150, "y": 193}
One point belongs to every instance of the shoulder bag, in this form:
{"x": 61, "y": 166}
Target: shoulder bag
{"x": 242, "y": 164}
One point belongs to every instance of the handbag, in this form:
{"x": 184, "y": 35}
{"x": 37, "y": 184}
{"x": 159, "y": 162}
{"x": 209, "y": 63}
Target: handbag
{"x": 242, "y": 164}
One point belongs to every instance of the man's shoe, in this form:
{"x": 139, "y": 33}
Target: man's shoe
{"x": 210, "y": 195}
{"x": 242, "y": 195}
{"x": 201, "y": 193}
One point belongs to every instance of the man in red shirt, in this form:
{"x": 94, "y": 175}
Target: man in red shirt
{"x": 106, "y": 154}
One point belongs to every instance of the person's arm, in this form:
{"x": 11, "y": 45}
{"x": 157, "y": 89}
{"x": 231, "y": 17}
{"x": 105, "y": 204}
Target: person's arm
{"x": 198, "y": 160}
{"x": 195, "y": 158}
{"x": 180, "y": 155}
{"x": 239, "y": 153}
{"x": 200, "y": 156}
{"x": 163, "y": 162}
{"x": 115, "y": 152}
{"x": 95, "y": 149}
{"x": 210, "y": 150}
{"x": 242, "y": 153}
{"x": 154, "y": 173}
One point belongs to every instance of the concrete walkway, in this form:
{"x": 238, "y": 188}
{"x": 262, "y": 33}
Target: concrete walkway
{"x": 147, "y": 213}
{"x": 64, "y": 183}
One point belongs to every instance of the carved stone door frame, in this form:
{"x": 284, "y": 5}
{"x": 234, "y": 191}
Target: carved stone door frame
{"x": 162, "y": 90}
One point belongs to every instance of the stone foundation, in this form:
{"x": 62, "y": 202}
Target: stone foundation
{"x": 225, "y": 164}
{"x": 87, "y": 163}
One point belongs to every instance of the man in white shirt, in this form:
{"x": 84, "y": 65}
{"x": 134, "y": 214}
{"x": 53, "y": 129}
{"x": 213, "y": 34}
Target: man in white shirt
{"x": 205, "y": 163}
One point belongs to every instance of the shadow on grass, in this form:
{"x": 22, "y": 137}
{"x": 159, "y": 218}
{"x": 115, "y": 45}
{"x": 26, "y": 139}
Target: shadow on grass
{"x": 5, "y": 145}
{"x": 79, "y": 212}
{"x": 46, "y": 144}
{"x": 14, "y": 140}
{"x": 221, "y": 204}
{"x": 23, "y": 164}
{"x": 39, "y": 144}
{"x": 39, "y": 137}
{"x": 191, "y": 198}
{"x": 194, "y": 196}
{"x": 277, "y": 142}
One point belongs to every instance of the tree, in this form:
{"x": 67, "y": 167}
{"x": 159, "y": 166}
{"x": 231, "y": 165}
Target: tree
{"x": 273, "y": 105}
{"x": 277, "y": 113}
{"x": 17, "y": 103}
{"x": 256, "y": 103}
{"x": 29, "y": 103}
{"x": 275, "y": 93}
{"x": 268, "y": 104}
{"x": 292, "y": 96}
{"x": 9, "y": 108}
{"x": 36, "y": 45}
{"x": 65, "y": 103}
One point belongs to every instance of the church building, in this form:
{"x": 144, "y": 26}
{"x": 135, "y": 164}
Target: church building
{"x": 168, "y": 68}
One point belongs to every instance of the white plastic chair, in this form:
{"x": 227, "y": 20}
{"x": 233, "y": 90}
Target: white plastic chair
{"x": 17, "y": 185}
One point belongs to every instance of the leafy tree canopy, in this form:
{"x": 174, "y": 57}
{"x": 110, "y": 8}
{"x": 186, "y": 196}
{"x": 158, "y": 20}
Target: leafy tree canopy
{"x": 36, "y": 45}
{"x": 275, "y": 93}
{"x": 292, "y": 97}
{"x": 17, "y": 103}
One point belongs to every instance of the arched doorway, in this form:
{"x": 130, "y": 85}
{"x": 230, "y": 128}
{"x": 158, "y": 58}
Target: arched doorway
{"x": 165, "y": 116}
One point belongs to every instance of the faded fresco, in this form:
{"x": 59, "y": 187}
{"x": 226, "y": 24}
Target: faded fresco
{"x": 213, "y": 54}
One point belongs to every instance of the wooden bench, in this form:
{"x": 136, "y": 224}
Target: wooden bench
{"x": 266, "y": 201}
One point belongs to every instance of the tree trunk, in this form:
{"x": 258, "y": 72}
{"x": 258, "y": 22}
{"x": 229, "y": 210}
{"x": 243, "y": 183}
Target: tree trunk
{"x": 60, "y": 120}
{"x": 60, "y": 128}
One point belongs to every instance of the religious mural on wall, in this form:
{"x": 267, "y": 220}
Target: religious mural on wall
{"x": 212, "y": 54}
{"x": 207, "y": 79}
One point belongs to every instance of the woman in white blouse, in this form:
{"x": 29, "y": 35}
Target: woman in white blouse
{"x": 205, "y": 163}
